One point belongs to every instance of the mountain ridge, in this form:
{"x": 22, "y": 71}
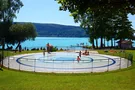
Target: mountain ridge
{"x": 58, "y": 30}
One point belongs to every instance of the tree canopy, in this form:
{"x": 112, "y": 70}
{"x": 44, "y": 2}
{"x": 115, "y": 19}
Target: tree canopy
{"x": 83, "y": 5}
{"x": 102, "y": 18}
{"x": 8, "y": 9}
{"x": 22, "y": 32}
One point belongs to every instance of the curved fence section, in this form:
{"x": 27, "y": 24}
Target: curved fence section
{"x": 67, "y": 62}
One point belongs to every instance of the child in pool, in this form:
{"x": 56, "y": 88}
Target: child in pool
{"x": 78, "y": 59}
{"x": 44, "y": 53}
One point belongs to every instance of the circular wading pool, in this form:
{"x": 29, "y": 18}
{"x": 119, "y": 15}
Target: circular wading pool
{"x": 65, "y": 62}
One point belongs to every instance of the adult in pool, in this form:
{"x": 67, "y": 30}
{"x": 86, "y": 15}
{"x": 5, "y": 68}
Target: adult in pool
{"x": 48, "y": 47}
{"x": 80, "y": 53}
{"x": 86, "y": 52}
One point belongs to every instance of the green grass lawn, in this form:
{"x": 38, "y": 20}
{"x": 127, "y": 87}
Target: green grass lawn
{"x": 114, "y": 80}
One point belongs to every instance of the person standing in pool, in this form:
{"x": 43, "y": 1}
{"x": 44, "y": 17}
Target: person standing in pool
{"x": 44, "y": 53}
{"x": 48, "y": 47}
{"x": 78, "y": 59}
{"x": 80, "y": 53}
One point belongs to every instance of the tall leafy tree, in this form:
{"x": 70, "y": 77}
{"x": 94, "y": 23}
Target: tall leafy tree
{"x": 22, "y": 32}
{"x": 124, "y": 29}
{"x": 8, "y": 9}
{"x": 101, "y": 15}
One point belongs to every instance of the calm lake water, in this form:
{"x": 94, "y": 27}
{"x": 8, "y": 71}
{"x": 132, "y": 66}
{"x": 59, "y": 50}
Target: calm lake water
{"x": 60, "y": 42}
{"x": 55, "y": 41}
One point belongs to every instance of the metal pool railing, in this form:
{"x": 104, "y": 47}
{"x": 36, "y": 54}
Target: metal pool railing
{"x": 87, "y": 64}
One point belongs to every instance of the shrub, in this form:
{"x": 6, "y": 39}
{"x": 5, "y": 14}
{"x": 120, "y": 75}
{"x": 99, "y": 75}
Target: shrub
{"x": 54, "y": 49}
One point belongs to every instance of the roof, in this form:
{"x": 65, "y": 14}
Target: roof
{"x": 125, "y": 42}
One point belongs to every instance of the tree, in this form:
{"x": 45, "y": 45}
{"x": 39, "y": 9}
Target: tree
{"x": 98, "y": 14}
{"x": 124, "y": 29}
{"x": 22, "y": 32}
{"x": 83, "y": 5}
{"x": 8, "y": 9}
{"x": 3, "y": 6}
{"x": 95, "y": 22}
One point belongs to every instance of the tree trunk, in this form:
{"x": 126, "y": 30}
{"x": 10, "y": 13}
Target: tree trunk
{"x": 2, "y": 56}
{"x": 3, "y": 43}
{"x": 104, "y": 42}
{"x": 101, "y": 45}
{"x": 7, "y": 46}
{"x": 107, "y": 43}
{"x": 18, "y": 45}
{"x": 112, "y": 42}
{"x": 96, "y": 43}
{"x": 120, "y": 43}
{"x": 93, "y": 45}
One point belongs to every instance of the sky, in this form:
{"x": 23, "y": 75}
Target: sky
{"x": 44, "y": 11}
{"x": 47, "y": 11}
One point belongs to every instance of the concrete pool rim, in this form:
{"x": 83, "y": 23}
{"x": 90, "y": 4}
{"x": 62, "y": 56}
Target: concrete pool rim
{"x": 113, "y": 62}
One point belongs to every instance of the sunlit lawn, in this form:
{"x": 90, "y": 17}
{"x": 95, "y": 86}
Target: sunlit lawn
{"x": 115, "y": 80}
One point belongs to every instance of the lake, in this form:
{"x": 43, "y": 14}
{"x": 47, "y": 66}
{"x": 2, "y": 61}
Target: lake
{"x": 55, "y": 41}
{"x": 60, "y": 42}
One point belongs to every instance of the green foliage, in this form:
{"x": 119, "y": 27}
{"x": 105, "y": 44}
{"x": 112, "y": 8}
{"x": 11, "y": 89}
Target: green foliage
{"x": 8, "y": 9}
{"x": 4, "y": 30}
{"x": 81, "y": 6}
{"x": 29, "y": 31}
{"x": 122, "y": 53}
{"x": 54, "y": 49}
{"x": 3, "y": 6}
{"x": 130, "y": 57}
{"x": 102, "y": 18}
{"x": 88, "y": 47}
{"x": 22, "y": 32}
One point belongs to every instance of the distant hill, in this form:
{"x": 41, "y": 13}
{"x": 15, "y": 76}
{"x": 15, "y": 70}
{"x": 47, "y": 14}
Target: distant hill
{"x": 56, "y": 30}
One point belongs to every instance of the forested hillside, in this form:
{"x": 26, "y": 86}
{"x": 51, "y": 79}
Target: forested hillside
{"x": 56, "y": 30}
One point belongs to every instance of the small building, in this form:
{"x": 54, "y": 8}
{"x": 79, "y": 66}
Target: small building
{"x": 125, "y": 44}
